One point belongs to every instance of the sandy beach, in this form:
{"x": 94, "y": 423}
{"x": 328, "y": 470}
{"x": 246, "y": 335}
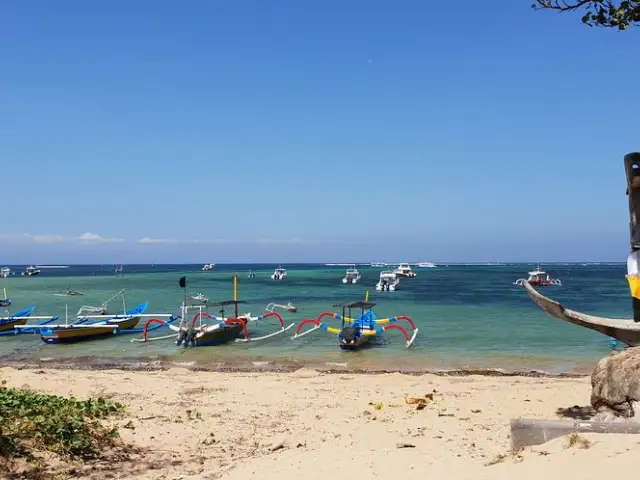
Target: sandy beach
{"x": 312, "y": 425}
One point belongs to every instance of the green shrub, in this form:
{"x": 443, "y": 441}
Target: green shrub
{"x": 32, "y": 422}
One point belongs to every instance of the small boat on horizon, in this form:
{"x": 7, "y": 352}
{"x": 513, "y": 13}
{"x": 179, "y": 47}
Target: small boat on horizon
{"x": 208, "y": 266}
{"x": 31, "y": 271}
{"x": 538, "y": 278}
{"x": 352, "y": 275}
{"x": 426, "y": 265}
{"x": 5, "y": 272}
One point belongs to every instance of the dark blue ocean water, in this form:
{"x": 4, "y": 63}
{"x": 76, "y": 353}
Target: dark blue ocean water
{"x": 469, "y": 316}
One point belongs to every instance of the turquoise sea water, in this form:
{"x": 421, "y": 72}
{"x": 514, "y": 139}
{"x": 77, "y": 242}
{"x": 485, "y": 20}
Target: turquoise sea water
{"x": 469, "y": 316}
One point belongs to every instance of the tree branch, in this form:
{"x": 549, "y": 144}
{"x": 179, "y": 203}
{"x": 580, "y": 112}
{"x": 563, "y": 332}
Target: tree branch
{"x": 599, "y": 13}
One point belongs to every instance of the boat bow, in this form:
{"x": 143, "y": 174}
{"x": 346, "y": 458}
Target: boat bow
{"x": 625, "y": 331}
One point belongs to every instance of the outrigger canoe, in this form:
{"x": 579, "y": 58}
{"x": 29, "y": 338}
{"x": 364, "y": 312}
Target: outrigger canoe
{"x": 625, "y": 331}
{"x": 356, "y": 332}
{"x": 7, "y": 324}
{"x": 205, "y": 329}
{"x": 91, "y": 327}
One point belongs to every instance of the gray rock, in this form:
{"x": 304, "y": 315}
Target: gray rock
{"x": 616, "y": 384}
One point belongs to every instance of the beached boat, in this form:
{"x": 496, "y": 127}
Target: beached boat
{"x": 388, "y": 281}
{"x": 352, "y": 275}
{"x": 31, "y": 271}
{"x": 404, "y": 270}
{"x": 6, "y": 301}
{"x": 5, "y": 272}
{"x": 538, "y": 278}
{"x": 206, "y": 329}
{"x": 356, "y": 332}
{"x": 279, "y": 273}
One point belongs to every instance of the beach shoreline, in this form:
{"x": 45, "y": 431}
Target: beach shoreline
{"x": 101, "y": 364}
{"x": 195, "y": 424}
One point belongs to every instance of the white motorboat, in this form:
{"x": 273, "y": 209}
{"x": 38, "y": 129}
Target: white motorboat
{"x": 352, "y": 276}
{"x": 388, "y": 282}
{"x": 426, "y": 265}
{"x": 5, "y": 272}
{"x": 208, "y": 266}
{"x": 279, "y": 273}
{"x": 31, "y": 270}
{"x": 404, "y": 270}
{"x": 539, "y": 278}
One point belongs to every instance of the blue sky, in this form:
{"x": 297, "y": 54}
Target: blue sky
{"x": 164, "y": 131}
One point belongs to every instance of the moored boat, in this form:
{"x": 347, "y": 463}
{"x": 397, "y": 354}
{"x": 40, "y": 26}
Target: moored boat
{"x": 279, "y": 273}
{"x": 352, "y": 275}
{"x": 9, "y": 322}
{"x": 356, "y": 332}
{"x": 388, "y": 281}
{"x": 426, "y": 265}
{"x": 206, "y": 329}
{"x": 5, "y": 272}
{"x": 31, "y": 271}
{"x": 6, "y": 301}
{"x": 538, "y": 278}
{"x": 72, "y": 333}
{"x": 404, "y": 270}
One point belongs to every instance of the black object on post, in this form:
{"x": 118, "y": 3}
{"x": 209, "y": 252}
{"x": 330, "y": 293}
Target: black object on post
{"x": 632, "y": 170}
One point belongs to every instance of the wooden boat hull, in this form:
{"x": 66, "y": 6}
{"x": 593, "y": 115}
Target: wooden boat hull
{"x": 79, "y": 334}
{"x": 8, "y": 325}
{"x": 625, "y": 331}
{"x": 358, "y": 343}
{"x": 218, "y": 336}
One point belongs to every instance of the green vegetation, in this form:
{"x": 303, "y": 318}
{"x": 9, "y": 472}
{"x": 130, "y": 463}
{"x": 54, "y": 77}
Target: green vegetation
{"x": 33, "y": 422}
{"x": 598, "y": 13}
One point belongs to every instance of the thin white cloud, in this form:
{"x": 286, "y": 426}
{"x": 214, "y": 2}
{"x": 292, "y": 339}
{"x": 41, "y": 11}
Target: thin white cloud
{"x": 95, "y": 238}
{"x": 276, "y": 241}
{"x": 33, "y": 238}
{"x": 149, "y": 240}
{"x": 45, "y": 239}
